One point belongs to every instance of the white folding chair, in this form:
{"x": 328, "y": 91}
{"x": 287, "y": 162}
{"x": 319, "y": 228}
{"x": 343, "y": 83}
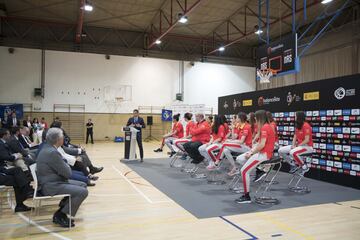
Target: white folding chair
{"x": 37, "y": 199}
{"x": 4, "y": 191}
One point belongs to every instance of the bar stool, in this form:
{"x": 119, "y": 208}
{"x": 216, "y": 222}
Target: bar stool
{"x": 297, "y": 177}
{"x": 262, "y": 194}
{"x": 175, "y": 158}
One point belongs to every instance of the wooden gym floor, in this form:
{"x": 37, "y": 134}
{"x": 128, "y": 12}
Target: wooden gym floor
{"x": 124, "y": 206}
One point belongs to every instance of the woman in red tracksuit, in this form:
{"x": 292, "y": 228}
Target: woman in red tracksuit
{"x": 302, "y": 144}
{"x": 179, "y": 143}
{"x": 263, "y": 169}
{"x": 218, "y": 135}
{"x": 261, "y": 152}
{"x": 176, "y": 133}
{"x": 240, "y": 145}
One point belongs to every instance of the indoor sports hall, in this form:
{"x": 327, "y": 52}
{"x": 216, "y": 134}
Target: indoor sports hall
{"x": 179, "y": 119}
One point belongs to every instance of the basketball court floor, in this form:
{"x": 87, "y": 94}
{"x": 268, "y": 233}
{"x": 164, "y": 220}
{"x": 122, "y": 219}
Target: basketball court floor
{"x": 123, "y": 205}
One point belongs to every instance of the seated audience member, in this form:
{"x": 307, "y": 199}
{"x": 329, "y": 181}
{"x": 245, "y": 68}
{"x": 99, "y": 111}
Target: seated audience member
{"x": 37, "y": 131}
{"x": 16, "y": 178}
{"x": 16, "y": 146}
{"x": 302, "y": 144}
{"x": 239, "y": 145}
{"x": 79, "y": 170}
{"x": 177, "y": 132}
{"x": 218, "y": 134}
{"x": 53, "y": 174}
{"x": 43, "y": 123}
{"x": 200, "y": 134}
{"x": 25, "y": 139}
{"x": 259, "y": 153}
{"x": 28, "y": 123}
{"x": 7, "y": 156}
{"x": 179, "y": 143}
{"x": 75, "y": 150}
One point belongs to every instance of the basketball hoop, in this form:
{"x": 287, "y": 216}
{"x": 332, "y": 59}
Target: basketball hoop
{"x": 265, "y": 74}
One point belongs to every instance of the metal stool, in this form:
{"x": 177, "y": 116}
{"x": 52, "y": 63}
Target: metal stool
{"x": 297, "y": 177}
{"x": 234, "y": 185}
{"x": 262, "y": 194}
{"x": 174, "y": 159}
{"x": 196, "y": 174}
{"x": 217, "y": 176}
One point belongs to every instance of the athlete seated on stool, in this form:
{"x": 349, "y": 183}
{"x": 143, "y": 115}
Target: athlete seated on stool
{"x": 302, "y": 144}
{"x": 263, "y": 169}
{"x": 217, "y": 137}
{"x": 179, "y": 143}
{"x": 240, "y": 145}
{"x": 176, "y": 133}
{"x": 200, "y": 134}
{"x": 262, "y": 151}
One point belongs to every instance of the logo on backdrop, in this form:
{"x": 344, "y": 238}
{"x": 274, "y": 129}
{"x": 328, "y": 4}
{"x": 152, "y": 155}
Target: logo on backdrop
{"x": 166, "y": 115}
{"x": 236, "y": 104}
{"x": 341, "y": 92}
{"x": 226, "y": 105}
{"x": 291, "y": 98}
{"x": 265, "y": 101}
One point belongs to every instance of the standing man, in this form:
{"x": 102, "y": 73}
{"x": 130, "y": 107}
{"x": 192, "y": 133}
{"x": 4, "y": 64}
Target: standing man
{"x": 12, "y": 121}
{"x": 138, "y": 123}
{"x": 89, "y": 131}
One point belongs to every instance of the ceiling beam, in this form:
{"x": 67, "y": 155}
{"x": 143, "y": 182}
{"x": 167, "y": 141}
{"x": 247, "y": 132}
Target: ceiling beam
{"x": 80, "y": 22}
{"x": 188, "y": 10}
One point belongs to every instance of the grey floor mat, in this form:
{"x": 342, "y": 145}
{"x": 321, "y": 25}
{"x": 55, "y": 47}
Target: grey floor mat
{"x": 204, "y": 200}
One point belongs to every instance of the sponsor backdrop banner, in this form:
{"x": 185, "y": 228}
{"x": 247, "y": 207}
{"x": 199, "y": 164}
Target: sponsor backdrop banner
{"x": 6, "y": 109}
{"x": 332, "y": 107}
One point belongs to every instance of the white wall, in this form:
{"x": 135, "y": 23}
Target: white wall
{"x": 79, "y": 78}
{"x": 205, "y": 82}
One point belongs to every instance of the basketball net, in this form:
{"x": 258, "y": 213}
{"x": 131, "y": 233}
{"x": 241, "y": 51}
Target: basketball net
{"x": 265, "y": 75}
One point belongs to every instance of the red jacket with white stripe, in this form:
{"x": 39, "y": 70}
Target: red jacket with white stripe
{"x": 201, "y": 132}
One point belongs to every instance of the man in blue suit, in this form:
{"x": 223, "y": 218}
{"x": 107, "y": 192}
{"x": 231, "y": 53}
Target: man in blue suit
{"x": 138, "y": 123}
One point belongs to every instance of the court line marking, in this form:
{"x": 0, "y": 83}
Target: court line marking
{"x": 284, "y": 226}
{"x": 238, "y": 227}
{"x": 137, "y": 189}
{"x": 42, "y": 228}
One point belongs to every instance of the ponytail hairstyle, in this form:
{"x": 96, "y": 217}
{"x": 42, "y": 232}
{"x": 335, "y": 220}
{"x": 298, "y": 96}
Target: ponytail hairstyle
{"x": 176, "y": 117}
{"x": 269, "y": 117}
{"x": 300, "y": 119}
{"x": 252, "y": 121}
{"x": 217, "y": 123}
{"x": 188, "y": 116}
{"x": 261, "y": 118}
{"x": 242, "y": 116}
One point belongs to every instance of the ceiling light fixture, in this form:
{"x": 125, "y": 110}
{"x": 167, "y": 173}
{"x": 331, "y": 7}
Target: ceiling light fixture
{"x": 88, "y": 7}
{"x": 326, "y": 1}
{"x": 158, "y": 41}
{"x": 221, "y": 49}
{"x": 183, "y": 19}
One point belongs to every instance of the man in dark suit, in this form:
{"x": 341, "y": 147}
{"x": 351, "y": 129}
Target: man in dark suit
{"x": 7, "y": 157}
{"x": 25, "y": 140}
{"x": 16, "y": 146}
{"x": 12, "y": 121}
{"x": 16, "y": 178}
{"x": 138, "y": 123}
